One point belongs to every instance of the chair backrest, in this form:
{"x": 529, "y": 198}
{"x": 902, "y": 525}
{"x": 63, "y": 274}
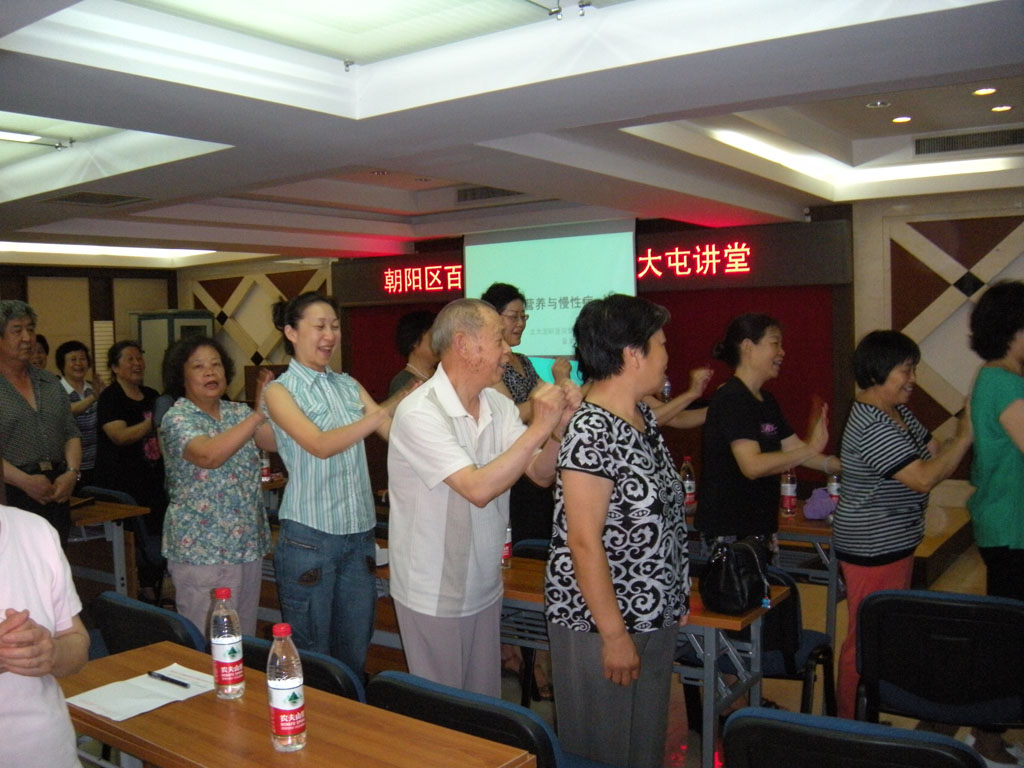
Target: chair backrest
{"x": 536, "y": 549}
{"x": 940, "y": 656}
{"x": 106, "y": 494}
{"x": 126, "y": 623}
{"x": 765, "y": 738}
{"x": 320, "y": 671}
{"x": 471, "y": 713}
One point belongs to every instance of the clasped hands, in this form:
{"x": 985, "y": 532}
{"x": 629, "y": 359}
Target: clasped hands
{"x": 26, "y": 648}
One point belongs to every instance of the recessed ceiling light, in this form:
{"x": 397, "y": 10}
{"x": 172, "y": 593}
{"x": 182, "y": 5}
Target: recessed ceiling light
{"x": 902, "y": 119}
{"x": 1002, "y": 108}
{"x": 984, "y": 91}
{"x": 878, "y": 104}
{"x": 378, "y": 173}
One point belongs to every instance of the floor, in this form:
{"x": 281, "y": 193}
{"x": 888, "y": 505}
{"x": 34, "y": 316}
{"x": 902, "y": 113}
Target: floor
{"x": 682, "y": 746}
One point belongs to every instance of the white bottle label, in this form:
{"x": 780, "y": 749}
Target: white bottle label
{"x": 287, "y": 706}
{"x": 227, "y": 660}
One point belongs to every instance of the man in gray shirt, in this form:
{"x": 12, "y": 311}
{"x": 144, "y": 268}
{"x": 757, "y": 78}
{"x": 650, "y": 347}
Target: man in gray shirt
{"x": 42, "y": 447}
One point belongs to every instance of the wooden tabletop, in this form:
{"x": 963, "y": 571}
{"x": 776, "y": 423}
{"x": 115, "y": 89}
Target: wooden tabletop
{"x": 205, "y": 731}
{"x": 524, "y": 581}
{"x": 95, "y": 512}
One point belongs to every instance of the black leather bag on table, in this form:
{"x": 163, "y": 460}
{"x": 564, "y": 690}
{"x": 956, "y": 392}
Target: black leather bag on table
{"x": 735, "y": 580}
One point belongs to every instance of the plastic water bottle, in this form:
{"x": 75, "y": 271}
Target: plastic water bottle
{"x": 666, "y": 391}
{"x": 833, "y": 487}
{"x": 226, "y": 646}
{"x": 284, "y": 691}
{"x": 787, "y": 494}
{"x": 264, "y": 466}
{"x": 689, "y": 484}
{"x": 506, "y": 551}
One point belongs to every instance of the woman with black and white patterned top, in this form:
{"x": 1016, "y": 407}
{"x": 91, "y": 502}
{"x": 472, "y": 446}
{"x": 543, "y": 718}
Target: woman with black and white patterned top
{"x": 890, "y": 463}
{"x": 617, "y": 581}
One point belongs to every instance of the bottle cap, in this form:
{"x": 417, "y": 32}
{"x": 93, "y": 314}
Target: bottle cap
{"x": 222, "y": 593}
{"x": 282, "y": 630}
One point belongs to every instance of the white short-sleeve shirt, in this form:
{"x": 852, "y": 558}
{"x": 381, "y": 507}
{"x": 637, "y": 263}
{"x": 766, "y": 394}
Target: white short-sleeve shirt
{"x": 34, "y": 574}
{"x": 444, "y": 552}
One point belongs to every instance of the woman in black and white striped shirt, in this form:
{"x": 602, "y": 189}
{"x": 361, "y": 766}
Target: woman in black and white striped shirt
{"x": 890, "y": 463}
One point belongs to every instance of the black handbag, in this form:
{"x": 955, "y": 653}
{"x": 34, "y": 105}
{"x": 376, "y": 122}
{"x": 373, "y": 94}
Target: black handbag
{"x": 735, "y": 581}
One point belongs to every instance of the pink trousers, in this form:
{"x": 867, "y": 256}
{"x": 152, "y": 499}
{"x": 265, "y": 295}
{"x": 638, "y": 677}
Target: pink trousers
{"x": 861, "y": 581}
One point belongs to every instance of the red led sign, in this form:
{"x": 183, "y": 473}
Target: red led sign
{"x": 426, "y": 279}
{"x": 699, "y": 261}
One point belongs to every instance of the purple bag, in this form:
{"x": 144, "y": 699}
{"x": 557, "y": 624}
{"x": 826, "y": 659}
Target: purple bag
{"x": 820, "y": 505}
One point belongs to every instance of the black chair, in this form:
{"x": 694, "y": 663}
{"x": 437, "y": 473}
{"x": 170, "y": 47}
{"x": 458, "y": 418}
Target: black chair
{"x": 320, "y": 671}
{"x": 472, "y": 713}
{"x": 788, "y": 650}
{"x": 765, "y": 738}
{"x": 943, "y": 657}
{"x": 152, "y": 565}
{"x": 125, "y": 623}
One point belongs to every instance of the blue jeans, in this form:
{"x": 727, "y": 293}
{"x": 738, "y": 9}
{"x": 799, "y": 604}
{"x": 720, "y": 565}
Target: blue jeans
{"x": 328, "y": 591}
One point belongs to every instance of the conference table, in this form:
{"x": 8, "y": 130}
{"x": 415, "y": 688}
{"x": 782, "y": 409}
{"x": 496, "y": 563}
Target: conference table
{"x": 207, "y": 732}
{"x": 707, "y": 632}
{"x": 111, "y": 516}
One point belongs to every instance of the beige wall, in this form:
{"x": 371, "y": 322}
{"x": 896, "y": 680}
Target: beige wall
{"x": 918, "y": 294}
{"x": 245, "y": 292}
{"x": 136, "y": 295}
{"x": 62, "y": 304}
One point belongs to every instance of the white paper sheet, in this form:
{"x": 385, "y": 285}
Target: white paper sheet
{"x": 131, "y": 697}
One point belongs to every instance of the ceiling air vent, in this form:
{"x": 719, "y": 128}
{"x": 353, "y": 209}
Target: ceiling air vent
{"x": 965, "y": 141}
{"x": 473, "y": 194}
{"x": 97, "y": 199}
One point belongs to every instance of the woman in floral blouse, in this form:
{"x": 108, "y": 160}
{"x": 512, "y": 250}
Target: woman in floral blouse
{"x": 216, "y": 531}
{"x": 617, "y": 580}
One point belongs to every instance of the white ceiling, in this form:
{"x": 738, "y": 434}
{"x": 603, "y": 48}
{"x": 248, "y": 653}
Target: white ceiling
{"x": 323, "y": 131}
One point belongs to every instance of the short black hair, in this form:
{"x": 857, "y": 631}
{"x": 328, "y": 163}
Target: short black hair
{"x": 42, "y": 342}
{"x": 997, "y": 318}
{"x": 605, "y": 327}
{"x": 500, "y": 295}
{"x": 879, "y": 353}
{"x": 179, "y": 353}
{"x": 290, "y": 311}
{"x": 114, "y": 353}
{"x": 410, "y": 329}
{"x": 751, "y": 326}
{"x": 66, "y": 349}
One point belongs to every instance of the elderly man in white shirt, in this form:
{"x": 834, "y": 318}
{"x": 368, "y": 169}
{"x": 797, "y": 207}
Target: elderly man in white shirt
{"x": 457, "y": 445}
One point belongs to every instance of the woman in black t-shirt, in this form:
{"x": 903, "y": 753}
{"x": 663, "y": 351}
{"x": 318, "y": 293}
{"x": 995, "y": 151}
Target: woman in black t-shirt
{"x": 747, "y": 441}
{"x": 127, "y": 452}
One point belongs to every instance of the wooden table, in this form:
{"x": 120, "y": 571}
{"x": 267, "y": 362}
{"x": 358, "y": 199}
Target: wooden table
{"x": 205, "y": 731}
{"x": 111, "y": 515}
{"x": 706, "y": 631}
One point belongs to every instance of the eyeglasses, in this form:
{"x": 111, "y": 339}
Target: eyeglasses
{"x": 515, "y": 317}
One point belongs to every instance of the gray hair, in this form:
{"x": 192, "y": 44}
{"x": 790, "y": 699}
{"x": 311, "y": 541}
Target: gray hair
{"x": 465, "y": 315}
{"x": 13, "y": 308}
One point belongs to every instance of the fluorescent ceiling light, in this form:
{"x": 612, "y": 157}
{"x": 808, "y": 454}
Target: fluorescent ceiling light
{"x": 23, "y": 137}
{"x": 97, "y": 250}
{"x": 835, "y": 172}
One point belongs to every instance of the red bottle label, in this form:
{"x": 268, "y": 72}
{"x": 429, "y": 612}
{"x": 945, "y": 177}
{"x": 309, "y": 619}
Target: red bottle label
{"x": 287, "y": 722}
{"x": 228, "y": 673}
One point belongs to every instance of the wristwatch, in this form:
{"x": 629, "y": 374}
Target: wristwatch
{"x": 77, "y": 471}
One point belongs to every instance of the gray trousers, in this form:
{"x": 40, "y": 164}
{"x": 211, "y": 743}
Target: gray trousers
{"x": 615, "y": 724}
{"x": 463, "y": 652}
{"x": 194, "y": 585}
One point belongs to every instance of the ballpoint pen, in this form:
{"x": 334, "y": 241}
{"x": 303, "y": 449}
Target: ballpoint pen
{"x": 160, "y": 676}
